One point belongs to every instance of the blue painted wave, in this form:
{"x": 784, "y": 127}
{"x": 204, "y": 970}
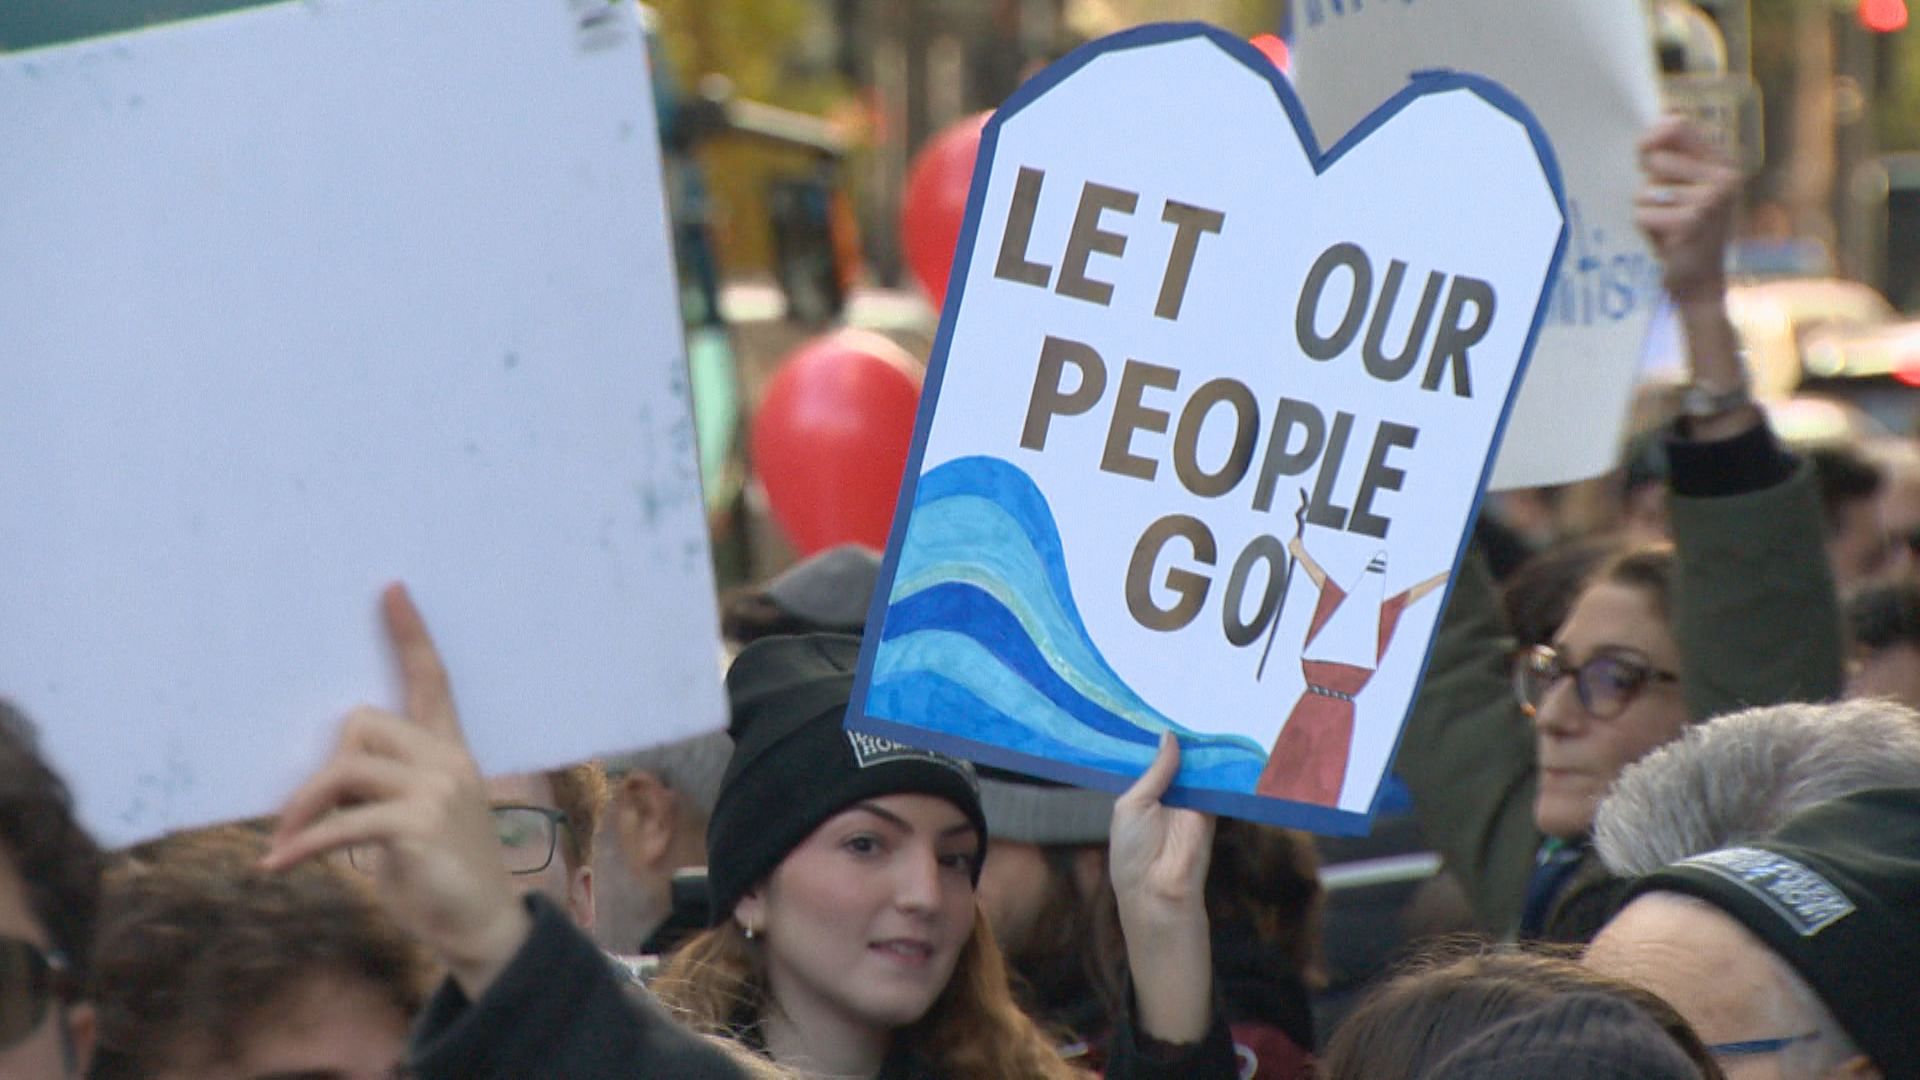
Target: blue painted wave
{"x": 983, "y": 640}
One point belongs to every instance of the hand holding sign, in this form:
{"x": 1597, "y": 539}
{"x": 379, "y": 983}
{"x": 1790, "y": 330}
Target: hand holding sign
{"x": 407, "y": 787}
{"x": 1685, "y": 208}
{"x": 1158, "y": 857}
{"x": 1160, "y": 329}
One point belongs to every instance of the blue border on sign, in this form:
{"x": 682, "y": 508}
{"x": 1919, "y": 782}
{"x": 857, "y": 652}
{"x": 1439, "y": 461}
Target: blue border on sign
{"x": 1319, "y": 819}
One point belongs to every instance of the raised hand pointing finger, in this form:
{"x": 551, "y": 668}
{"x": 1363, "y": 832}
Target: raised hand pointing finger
{"x": 406, "y": 788}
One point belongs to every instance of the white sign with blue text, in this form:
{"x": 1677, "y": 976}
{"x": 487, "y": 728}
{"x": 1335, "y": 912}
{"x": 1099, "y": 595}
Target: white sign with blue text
{"x": 1207, "y": 420}
{"x": 1586, "y": 70}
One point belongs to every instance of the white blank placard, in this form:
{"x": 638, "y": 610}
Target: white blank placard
{"x": 300, "y": 300}
{"x": 1586, "y": 70}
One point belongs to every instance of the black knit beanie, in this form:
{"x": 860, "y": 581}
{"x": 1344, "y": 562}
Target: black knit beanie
{"x": 1577, "y": 1036}
{"x": 794, "y": 765}
{"x": 1835, "y": 892}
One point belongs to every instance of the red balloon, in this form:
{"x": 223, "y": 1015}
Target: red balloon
{"x": 1274, "y": 48}
{"x": 935, "y": 201}
{"x": 1883, "y": 16}
{"x": 830, "y": 439}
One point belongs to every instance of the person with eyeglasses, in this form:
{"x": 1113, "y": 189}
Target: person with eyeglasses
{"x": 545, "y": 823}
{"x": 1606, "y": 693}
{"x": 50, "y": 872}
{"x": 1507, "y": 758}
{"x": 526, "y": 992}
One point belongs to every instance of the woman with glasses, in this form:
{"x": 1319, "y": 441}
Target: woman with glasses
{"x": 1507, "y": 766}
{"x": 1605, "y": 693}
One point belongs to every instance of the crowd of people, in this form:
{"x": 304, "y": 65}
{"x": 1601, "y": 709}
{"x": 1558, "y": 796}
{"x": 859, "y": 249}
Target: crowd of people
{"x": 1673, "y": 766}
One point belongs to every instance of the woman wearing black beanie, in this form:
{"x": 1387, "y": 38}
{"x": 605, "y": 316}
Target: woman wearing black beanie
{"x": 847, "y": 940}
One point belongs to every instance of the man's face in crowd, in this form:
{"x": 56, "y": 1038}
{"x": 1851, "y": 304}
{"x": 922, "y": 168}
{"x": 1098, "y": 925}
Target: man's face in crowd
{"x": 647, "y": 832}
{"x": 570, "y": 887}
{"x": 331, "y": 1027}
{"x": 45, "y": 1051}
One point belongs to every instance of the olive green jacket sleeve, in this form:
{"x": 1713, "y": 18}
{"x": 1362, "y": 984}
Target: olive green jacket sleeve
{"x": 1755, "y": 610}
{"x": 1757, "y": 623}
{"x": 1467, "y": 753}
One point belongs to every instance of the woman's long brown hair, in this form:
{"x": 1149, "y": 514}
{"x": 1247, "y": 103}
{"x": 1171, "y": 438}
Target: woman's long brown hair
{"x": 973, "y": 1031}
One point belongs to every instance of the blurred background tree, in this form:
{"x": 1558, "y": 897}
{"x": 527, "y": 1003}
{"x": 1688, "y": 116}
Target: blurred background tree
{"x": 776, "y": 51}
{"x": 886, "y": 75}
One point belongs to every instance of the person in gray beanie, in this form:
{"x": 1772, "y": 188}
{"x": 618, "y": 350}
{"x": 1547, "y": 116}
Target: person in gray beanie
{"x": 824, "y": 593}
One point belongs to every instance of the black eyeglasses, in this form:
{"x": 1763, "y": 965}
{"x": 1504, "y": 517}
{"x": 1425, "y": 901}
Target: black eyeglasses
{"x": 30, "y": 979}
{"x": 528, "y": 837}
{"x": 1606, "y": 684}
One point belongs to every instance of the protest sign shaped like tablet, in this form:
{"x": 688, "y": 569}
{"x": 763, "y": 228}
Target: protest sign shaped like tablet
{"x": 1206, "y": 424}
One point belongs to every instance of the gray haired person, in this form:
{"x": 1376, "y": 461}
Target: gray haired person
{"x": 1739, "y": 777}
{"x": 1792, "y": 955}
{"x": 654, "y": 827}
